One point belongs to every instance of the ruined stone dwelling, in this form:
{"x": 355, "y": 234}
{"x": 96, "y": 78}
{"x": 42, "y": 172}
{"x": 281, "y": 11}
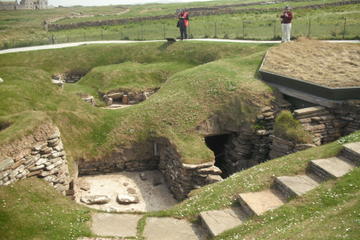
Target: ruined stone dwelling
{"x": 24, "y": 4}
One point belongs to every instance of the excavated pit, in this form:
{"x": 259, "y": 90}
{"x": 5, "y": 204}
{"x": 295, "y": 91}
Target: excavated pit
{"x": 69, "y": 77}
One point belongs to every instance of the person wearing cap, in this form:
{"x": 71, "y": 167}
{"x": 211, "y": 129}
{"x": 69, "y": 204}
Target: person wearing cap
{"x": 183, "y": 23}
{"x": 286, "y": 18}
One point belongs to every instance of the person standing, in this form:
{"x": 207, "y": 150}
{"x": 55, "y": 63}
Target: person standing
{"x": 183, "y": 23}
{"x": 286, "y": 18}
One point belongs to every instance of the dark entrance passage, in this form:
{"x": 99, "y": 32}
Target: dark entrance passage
{"x": 217, "y": 144}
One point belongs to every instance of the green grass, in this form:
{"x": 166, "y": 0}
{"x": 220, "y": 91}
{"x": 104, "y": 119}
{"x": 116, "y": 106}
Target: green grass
{"x": 287, "y": 127}
{"x": 32, "y": 209}
{"x": 23, "y": 28}
{"x": 197, "y": 80}
{"x": 131, "y": 75}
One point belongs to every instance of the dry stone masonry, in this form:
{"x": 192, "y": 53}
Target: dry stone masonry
{"x": 182, "y": 178}
{"x": 127, "y": 96}
{"x": 44, "y": 158}
{"x": 321, "y": 123}
{"x": 324, "y": 124}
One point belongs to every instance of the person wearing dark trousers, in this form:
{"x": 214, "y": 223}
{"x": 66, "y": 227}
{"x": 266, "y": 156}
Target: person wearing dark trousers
{"x": 183, "y": 24}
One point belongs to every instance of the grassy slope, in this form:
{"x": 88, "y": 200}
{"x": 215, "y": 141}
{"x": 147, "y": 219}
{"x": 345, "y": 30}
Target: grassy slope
{"x": 31, "y": 209}
{"x": 131, "y": 75}
{"x": 197, "y": 93}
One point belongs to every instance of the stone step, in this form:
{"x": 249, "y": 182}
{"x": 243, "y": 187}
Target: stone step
{"x": 351, "y": 151}
{"x": 257, "y": 203}
{"x": 330, "y": 167}
{"x": 167, "y": 228}
{"x": 219, "y": 221}
{"x": 117, "y": 225}
{"x": 293, "y": 186}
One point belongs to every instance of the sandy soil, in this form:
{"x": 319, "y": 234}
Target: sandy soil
{"x": 329, "y": 64}
{"x": 152, "y": 198}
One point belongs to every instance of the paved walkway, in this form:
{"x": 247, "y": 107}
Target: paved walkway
{"x": 75, "y": 44}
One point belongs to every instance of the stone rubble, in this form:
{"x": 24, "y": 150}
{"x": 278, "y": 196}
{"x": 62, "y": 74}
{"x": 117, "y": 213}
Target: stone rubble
{"x": 45, "y": 159}
{"x": 127, "y": 97}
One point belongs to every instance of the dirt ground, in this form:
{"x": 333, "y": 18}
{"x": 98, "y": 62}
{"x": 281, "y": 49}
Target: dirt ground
{"x": 151, "y": 197}
{"x": 329, "y": 64}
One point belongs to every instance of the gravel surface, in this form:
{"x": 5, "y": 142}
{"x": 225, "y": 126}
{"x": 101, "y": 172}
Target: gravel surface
{"x": 329, "y": 64}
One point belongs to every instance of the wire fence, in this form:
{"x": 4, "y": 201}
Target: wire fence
{"x": 244, "y": 29}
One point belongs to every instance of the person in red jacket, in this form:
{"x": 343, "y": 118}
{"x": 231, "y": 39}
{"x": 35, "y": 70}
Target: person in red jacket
{"x": 183, "y": 23}
{"x": 286, "y": 18}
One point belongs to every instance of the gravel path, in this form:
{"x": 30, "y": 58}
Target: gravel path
{"x": 75, "y": 44}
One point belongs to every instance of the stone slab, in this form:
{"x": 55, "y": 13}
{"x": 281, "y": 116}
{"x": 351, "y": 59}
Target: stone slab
{"x": 257, "y": 203}
{"x": 117, "y": 225}
{"x": 308, "y": 110}
{"x": 354, "y": 150}
{"x": 219, "y": 221}
{"x": 333, "y": 167}
{"x": 6, "y": 163}
{"x": 171, "y": 229}
{"x": 292, "y": 186}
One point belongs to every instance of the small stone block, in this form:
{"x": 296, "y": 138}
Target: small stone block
{"x": 219, "y": 221}
{"x": 293, "y": 186}
{"x": 257, "y": 203}
{"x": 118, "y": 225}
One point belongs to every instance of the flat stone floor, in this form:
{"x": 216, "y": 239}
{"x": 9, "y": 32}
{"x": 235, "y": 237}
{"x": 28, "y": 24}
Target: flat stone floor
{"x": 117, "y": 225}
{"x": 172, "y": 229}
{"x": 152, "y": 198}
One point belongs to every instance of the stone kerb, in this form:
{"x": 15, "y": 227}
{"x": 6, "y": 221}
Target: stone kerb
{"x": 43, "y": 157}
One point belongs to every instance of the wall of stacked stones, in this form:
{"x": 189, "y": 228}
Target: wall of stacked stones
{"x": 138, "y": 157}
{"x": 182, "y": 178}
{"x": 39, "y": 155}
{"x": 193, "y": 12}
{"x": 324, "y": 124}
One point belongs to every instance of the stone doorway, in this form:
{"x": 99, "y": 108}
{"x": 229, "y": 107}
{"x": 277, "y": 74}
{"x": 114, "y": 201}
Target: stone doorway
{"x": 217, "y": 144}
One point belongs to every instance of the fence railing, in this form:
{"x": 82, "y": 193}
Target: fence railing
{"x": 343, "y": 28}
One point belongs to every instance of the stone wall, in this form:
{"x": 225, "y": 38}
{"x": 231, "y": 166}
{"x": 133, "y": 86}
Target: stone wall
{"x": 251, "y": 146}
{"x": 127, "y": 96}
{"x": 281, "y": 147}
{"x": 138, "y": 157}
{"x": 324, "y": 124}
{"x": 41, "y": 155}
{"x": 349, "y": 115}
{"x": 321, "y": 123}
{"x": 182, "y": 178}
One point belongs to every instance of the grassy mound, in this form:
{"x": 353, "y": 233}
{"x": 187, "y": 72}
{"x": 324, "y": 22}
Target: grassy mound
{"x": 226, "y": 86}
{"x": 128, "y": 75}
{"x": 31, "y": 209}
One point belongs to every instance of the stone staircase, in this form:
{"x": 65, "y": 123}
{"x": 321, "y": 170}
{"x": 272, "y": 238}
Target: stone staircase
{"x": 283, "y": 189}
